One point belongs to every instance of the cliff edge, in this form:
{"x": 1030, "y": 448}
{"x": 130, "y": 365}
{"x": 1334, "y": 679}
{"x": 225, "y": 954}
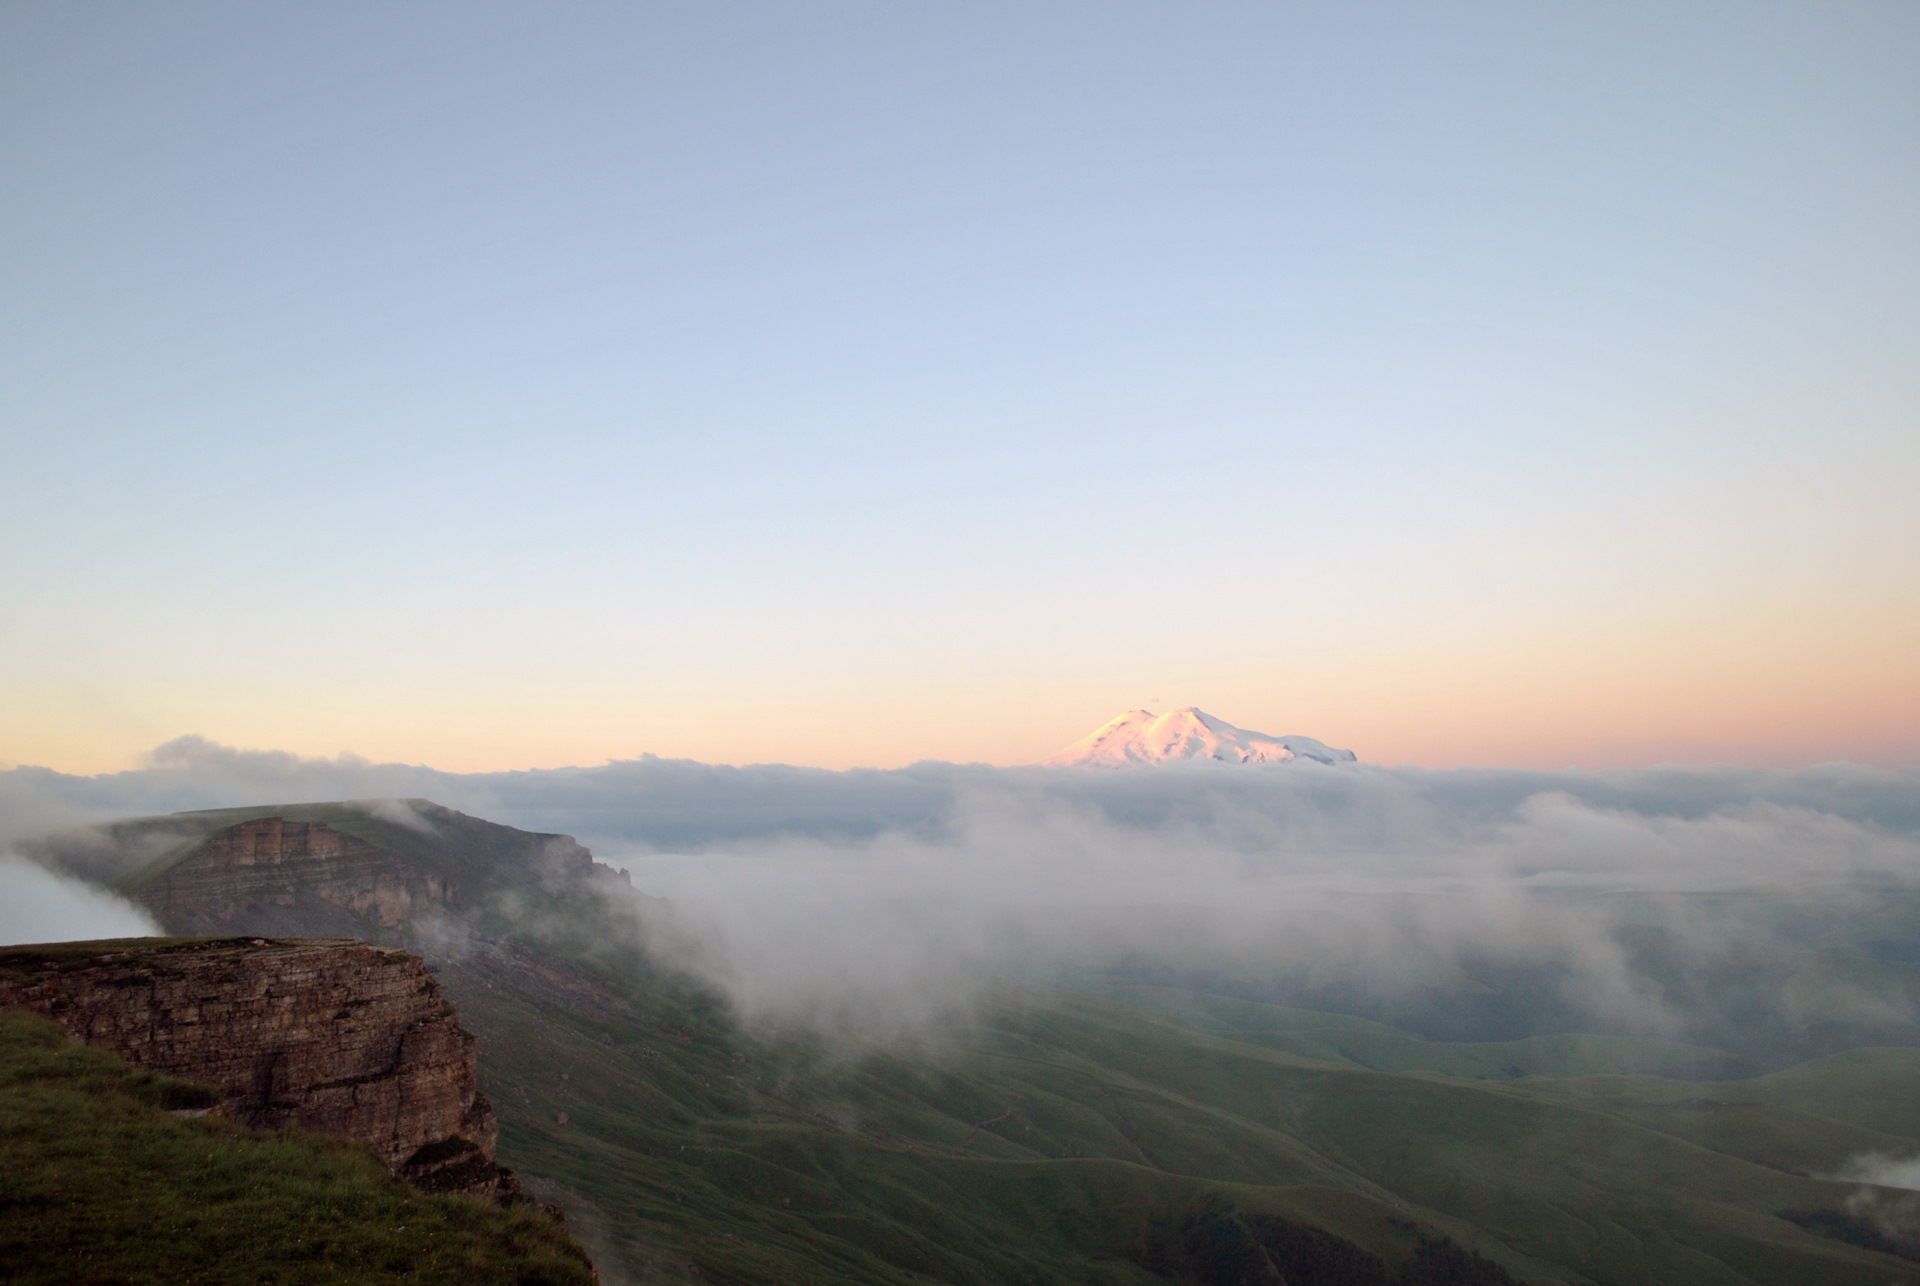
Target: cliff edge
{"x": 336, "y": 1036}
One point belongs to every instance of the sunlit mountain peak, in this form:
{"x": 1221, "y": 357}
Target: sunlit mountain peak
{"x": 1140, "y": 737}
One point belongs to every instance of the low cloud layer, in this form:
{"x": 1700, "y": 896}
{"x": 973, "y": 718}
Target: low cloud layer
{"x": 1608, "y": 899}
{"x": 665, "y": 803}
{"x": 1373, "y": 888}
{"x": 1886, "y": 1202}
{"x": 37, "y": 905}
{"x": 1882, "y": 1171}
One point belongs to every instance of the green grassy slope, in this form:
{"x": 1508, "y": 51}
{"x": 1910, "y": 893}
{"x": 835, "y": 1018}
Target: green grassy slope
{"x": 99, "y": 1183}
{"x": 1808, "y": 1119}
{"x": 1124, "y": 1133}
{"x": 1360, "y": 1042}
{"x": 693, "y": 1157}
{"x": 1049, "y": 1140}
{"x": 1761, "y": 978}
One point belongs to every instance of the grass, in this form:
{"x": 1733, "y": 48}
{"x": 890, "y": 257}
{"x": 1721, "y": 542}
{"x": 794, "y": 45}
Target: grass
{"x": 1051, "y": 1141}
{"x": 1359, "y": 1042}
{"x": 99, "y": 1183}
{"x": 1212, "y": 1128}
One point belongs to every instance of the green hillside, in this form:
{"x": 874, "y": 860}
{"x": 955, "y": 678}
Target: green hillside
{"x": 1060, "y": 1135}
{"x": 1121, "y": 1132}
{"x": 1753, "y": 980}
{"x": 1360, "y": 1042}
{"x": 101, "y": 1183}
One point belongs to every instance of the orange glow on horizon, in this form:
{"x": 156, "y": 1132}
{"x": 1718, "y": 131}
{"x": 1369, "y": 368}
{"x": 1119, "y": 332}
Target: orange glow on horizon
{"x": 1764, "y": 686}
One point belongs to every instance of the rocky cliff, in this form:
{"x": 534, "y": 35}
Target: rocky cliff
{"x": 272, "y": 868}
{"x": 405, "y": 873}
{"x": 337, "y": 1036}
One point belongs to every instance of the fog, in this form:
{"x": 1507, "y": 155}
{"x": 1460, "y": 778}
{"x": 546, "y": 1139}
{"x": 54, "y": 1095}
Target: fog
{"x": 663, "y": 803}
{"x": 1885, "y": 1201}
{"x": 1371, "y": 885}
{"x": 873, "y": 899}
{"x": 37, "y": 905}
{"x": 1882, "y": 1171}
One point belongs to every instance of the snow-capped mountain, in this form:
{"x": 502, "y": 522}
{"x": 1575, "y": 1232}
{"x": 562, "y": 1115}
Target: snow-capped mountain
{"x": 1142, "y": 737}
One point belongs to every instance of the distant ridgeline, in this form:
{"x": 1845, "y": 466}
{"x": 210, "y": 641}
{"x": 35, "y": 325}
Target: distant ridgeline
{"x": 1146, "y": 1127}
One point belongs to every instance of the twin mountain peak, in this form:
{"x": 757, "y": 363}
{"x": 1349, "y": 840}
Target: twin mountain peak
{"x": 1142, "y": 738}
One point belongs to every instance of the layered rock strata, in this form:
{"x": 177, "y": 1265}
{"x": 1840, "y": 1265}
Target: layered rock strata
{"x": 272, "y": 868}
{"x": 337, "y": 1036}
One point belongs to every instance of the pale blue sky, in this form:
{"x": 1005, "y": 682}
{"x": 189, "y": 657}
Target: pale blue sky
{"x": 502, "y": 385}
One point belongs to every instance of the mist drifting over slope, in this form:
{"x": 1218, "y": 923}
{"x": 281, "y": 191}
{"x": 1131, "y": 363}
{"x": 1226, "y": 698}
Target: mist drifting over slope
{"x": 1629, "y": 901}
{"x": 38, "y": 905}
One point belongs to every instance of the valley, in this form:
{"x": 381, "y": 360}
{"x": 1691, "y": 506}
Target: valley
{"x": 1094, "y": 1129}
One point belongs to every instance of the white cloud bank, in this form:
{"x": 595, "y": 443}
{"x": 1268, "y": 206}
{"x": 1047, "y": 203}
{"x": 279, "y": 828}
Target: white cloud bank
{"x": 38, "y": 906}
{"x": 851, "y": 896}
{"x": 1882, "y": 1171}
{"x": 1379, "y": 891}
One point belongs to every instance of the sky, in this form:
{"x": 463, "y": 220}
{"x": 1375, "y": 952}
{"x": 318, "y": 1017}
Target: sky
{"x": 509, "y": 386}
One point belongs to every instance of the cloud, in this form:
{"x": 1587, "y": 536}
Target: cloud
{"x": 1375, "y": 890}
{"x": 400, "y": 812}
{"x": 37, "y": 905}
{"x": 1881, "y": 1170}
{"x": 1894, "y": 1215}
{"x": 665, "y": 803}
{"x": 1617, "y": 900}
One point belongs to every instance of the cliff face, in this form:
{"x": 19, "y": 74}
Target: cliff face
{"x": 397, "y": 872}
{"x": 337, "y": 1036}
{"x": 252, "y": 874}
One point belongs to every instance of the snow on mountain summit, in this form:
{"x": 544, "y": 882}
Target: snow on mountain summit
{"x": 1141, "y": 737}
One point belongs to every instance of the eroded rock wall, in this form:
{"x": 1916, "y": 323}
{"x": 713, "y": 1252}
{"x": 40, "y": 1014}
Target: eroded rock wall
{"x": 256, "y": 874}
{"x": 338, "y": 1036}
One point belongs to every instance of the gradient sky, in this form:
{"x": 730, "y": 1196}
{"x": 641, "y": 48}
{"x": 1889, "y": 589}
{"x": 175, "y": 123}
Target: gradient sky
{"x": 513, "y": 386}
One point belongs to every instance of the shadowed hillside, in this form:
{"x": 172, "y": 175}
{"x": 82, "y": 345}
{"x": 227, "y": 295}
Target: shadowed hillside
{"x": 103, "y": 1181}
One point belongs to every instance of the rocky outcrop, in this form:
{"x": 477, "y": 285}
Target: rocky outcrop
{"x": 273, "y": 869}
{"x": 337, "y": 1036}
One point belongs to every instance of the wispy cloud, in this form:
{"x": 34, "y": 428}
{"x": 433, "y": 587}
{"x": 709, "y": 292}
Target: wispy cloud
{"x": 37, "y": 905}
{"x": 886, "y": 897}
{"x": 1881, "y": 1170}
